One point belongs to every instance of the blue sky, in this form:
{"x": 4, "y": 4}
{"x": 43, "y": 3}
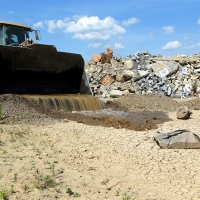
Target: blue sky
{"x": 88, "y": 27}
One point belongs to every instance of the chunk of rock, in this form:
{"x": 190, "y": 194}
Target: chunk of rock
{"x": 96, "y": 58}
{"x": 183, "y": 113}
{"x": 128, "y": 64}
{"x": 178, "y": 139}
{"x": 105, "y": 58}
{"x": 110, "y": 52}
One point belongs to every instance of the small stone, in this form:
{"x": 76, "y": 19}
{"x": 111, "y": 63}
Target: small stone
{"x": 183, "y": 113}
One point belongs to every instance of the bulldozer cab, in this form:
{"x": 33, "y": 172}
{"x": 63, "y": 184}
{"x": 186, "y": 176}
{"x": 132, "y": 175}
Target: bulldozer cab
{"x": 14, "y": 34}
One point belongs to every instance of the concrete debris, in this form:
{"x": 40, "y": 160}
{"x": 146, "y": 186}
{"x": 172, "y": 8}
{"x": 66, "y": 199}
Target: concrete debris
{"x": 179, "y": 139}
{"x": 106, "y": 80}
{"x": 144, "y": 73}
{"x": 116, "y": 93}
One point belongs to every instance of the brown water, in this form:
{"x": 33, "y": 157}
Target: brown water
{"x": 67, "y": 102}
{"x": 92, "y": 111}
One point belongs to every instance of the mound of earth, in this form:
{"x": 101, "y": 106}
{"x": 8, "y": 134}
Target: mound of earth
{"x": 155, "y": 102}
{"x": 16, "y": 109}
{"x": 134, "y": 112}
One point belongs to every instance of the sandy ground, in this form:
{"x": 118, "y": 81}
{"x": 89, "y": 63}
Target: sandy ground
{"x": 64, "y": 159}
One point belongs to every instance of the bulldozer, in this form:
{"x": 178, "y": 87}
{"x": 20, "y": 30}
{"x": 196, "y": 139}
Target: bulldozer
{"x": 38, "y": 72}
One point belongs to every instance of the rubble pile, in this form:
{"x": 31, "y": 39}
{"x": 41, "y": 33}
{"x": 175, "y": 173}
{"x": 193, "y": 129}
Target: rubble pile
{"x": 143, "y": 73}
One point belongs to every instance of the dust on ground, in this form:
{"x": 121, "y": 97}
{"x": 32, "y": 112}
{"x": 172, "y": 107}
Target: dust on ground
{"x": 97, "y": 155}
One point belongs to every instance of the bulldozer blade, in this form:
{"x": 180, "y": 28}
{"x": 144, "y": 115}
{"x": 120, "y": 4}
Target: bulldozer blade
{"x": 41, "y": 69}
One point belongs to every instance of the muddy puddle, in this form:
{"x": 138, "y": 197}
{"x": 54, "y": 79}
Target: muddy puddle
{"x": 112, "y": 116}
{"x": 138, "y": 121}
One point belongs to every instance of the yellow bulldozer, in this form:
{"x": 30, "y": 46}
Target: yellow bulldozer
{"x": 55, "y": 80}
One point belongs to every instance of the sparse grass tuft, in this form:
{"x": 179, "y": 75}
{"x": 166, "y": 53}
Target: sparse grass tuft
{"x": 127, "y": 197}
{"x": 25, "y": 188}
{"x": 3, "y": 194}
{"x": 84, "y": 184}
{"x": 117, "y": 193}
{"x": 76, "y": 195}
{"x": 53, "y": 169}
{"x": 70, "y": 192}
{"x": 19, "y": 131}
{"x": 44, "y": 182}
{"x": 15, "y": 177}
{"x": 1, "y": 175}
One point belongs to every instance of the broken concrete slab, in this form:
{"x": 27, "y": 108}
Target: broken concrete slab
{"x": 143, "y": 73}
{"x": 161, "y": 65}
{"x": 178, "y": 139}
{"x": 116, "y": 93}
{"x": 129, "y": 63}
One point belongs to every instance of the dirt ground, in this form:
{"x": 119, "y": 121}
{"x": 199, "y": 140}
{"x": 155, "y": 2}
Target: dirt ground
{"x": 108, "y": 154}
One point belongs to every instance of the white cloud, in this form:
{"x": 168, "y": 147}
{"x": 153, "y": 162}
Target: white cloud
{"x": 94, "y": 45}
{"x": 92, "y": 36}
{"x": 193, "y": 46}
{"x": 51, "y": 26}
{"x": 198, "y": 22}
{"x": 85, "y": 28}
{"x": 130, "y": 21}
{"x": 38, "y": 25}
{"x": 62, "y": 23}
{"x": 168, "y": 29}
{"x": 91, "y": 24}
{"x": 172, "y": 45}
{"x": 118, "y": 46}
